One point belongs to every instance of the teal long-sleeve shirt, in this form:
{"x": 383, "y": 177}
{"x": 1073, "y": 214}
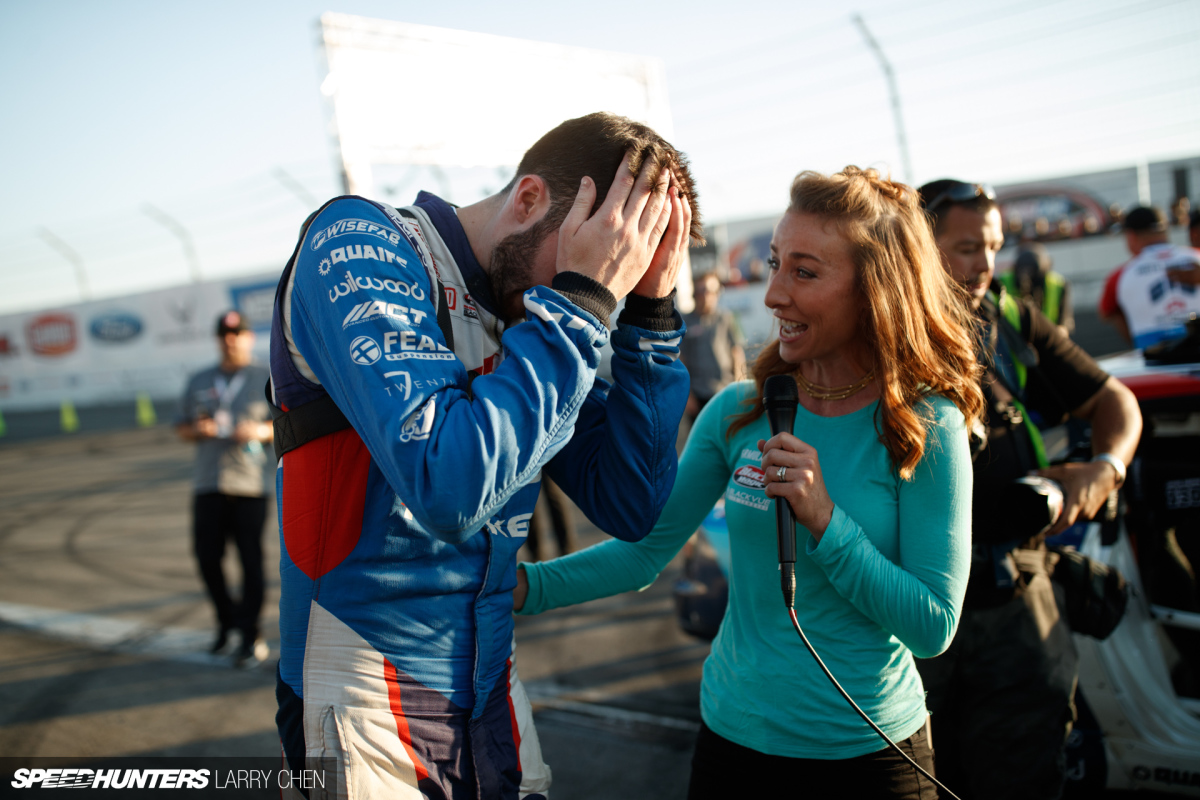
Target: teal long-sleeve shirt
{"x": 885, "y": 583}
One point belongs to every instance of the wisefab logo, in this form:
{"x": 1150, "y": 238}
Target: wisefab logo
{"x": 344, "y": 226}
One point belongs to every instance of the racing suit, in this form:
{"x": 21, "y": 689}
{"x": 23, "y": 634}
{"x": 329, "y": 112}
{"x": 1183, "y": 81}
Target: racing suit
{"x": 1156, "y": 304}
{"x": 399, "y": 534}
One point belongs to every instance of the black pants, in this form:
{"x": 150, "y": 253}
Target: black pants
{"x": 722, "y": 769}
{"x": 216, "y": 518}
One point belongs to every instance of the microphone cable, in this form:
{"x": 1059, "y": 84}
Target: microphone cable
{"x": 812, "y": 651}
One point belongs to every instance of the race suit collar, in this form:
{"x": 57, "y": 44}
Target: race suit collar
{"x": 452, "y": 233}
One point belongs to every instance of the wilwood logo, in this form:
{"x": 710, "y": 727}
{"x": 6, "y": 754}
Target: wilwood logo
{"x": 51, "y": 335}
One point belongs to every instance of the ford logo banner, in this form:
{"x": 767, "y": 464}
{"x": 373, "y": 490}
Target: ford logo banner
{"x": 116, "y": 327}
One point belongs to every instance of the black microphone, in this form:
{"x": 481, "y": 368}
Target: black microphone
{"x": 780, "y": 397}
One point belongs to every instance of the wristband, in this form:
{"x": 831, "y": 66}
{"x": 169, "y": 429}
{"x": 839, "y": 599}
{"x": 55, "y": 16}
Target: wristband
{"x": 1117, "y": 464}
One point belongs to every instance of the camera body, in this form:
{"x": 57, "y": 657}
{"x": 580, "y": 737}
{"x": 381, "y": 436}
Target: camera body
{"x": 1030, "y": 505}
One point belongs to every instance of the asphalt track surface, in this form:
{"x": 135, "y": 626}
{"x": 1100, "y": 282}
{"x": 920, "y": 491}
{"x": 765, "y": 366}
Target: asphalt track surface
{"x": 104, "y": 629}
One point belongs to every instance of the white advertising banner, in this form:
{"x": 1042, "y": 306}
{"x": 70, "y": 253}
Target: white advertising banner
{"x": 412, "y": 95}
{"x": 111, "y": 350}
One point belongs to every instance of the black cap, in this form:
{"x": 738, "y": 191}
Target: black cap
{"x": 1033, "y": 258}
{"x": 1144, "y": 219}
{"x": 231, "y": 321}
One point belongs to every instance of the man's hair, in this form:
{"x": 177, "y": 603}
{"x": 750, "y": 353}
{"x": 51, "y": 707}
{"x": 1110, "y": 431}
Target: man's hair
{"x": 914, "y": 318}
{"x": 594, "y": 146}
{"x": 1145, "y": 220}
{"x": 980, "y": 204}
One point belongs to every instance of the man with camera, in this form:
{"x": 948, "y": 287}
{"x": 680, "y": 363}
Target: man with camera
{"x": 416, "y": 417}
{"x": 1001, "y": 696}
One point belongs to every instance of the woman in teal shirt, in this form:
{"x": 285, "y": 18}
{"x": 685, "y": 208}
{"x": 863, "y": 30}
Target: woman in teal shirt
{"x": 878, "y": 475}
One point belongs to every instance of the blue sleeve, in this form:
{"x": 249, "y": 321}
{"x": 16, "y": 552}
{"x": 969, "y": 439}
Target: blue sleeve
{"x": 620, "y": 465}
{"x": 363, "y": 319}
{"x": 918, "y": 600}
{"x": 613, "y": 567}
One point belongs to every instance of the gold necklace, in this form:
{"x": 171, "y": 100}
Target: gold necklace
{"x": 818, "y": 392}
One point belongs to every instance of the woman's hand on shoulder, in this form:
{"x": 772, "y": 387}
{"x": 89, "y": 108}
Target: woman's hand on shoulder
{"x": 792, "y": 471}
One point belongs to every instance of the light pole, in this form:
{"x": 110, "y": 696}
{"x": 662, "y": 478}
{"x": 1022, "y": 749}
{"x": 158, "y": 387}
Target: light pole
{"x": 894, "y": 91}
{"x": 181, "y": 233}
{"x": 70, "y": 254}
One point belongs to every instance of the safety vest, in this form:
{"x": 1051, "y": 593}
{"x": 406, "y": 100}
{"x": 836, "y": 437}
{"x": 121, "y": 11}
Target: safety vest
{"x": 1052, "y": 294}
{"x": 1012, "y": 316}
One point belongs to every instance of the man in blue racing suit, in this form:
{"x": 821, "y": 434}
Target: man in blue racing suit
{"x": 416, "y": 417}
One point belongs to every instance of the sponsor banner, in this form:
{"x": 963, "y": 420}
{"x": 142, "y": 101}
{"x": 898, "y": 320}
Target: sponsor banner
{"x": 229, "y": 778}
{"x": 116, "y": 327}
{"x": 51, "y": 334}
{"x": 112, "y": 350}
{"x": 256, "y": 302}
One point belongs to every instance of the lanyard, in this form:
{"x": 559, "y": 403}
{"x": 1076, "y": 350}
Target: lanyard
{"x": 227, "y": 391}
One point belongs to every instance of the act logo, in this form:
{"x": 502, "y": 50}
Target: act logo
{"x": 364, "y": 351}
{"x": 380, "y": 309}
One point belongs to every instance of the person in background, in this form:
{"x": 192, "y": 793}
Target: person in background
{"x": 1150, "y": 297}
{"x": 712, "y": 349}
{"x": 1000, "y": 697}
{"x": 1194, "y": 228}
{"x": 878, "y": 474}
{"x": 1033, "y": 278}
{"x": 225, "y": 413}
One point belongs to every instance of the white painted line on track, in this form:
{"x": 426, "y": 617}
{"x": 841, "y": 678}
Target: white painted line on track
{"x": 544, "y": 695}
{"x": 116, "y": 634}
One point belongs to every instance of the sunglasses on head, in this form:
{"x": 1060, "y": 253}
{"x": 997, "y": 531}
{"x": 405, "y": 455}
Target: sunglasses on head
{"x": 960, "y": 192}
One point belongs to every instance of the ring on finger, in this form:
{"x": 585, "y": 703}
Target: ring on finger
{"x": 781, "y": 475}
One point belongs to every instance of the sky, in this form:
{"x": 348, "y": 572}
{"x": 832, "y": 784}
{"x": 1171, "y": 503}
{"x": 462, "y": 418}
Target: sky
{"x": 129, "y": 124}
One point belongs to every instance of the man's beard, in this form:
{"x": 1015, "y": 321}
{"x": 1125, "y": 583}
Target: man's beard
{"x": 511, "y": 269}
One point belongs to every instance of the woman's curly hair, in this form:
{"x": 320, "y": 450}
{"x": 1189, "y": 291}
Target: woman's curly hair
{"x": 915, "y": 319}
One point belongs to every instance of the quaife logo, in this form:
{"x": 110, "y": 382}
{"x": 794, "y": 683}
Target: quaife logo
{"x": 72, "y": 778}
